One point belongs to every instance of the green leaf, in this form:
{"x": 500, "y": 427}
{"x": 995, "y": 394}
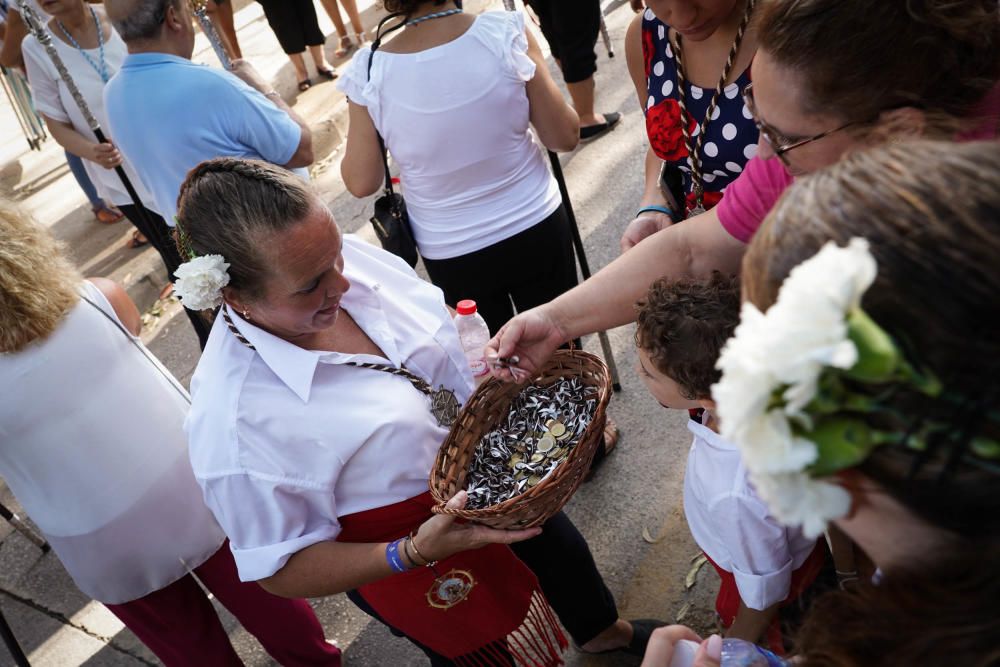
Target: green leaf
{"x": 985, "y": 448}
{"x": 878, "y": 356}
{"x": 842, "y": 442}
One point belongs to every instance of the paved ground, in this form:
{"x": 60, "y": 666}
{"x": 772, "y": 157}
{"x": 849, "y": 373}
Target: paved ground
{"x": 631, "y": 513}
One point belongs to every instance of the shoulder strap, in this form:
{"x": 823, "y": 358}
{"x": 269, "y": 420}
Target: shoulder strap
{"x": 142, "y": 349}
{"x": 379, "y": 34}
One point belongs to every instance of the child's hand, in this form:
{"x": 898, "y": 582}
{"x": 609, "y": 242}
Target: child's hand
{"x": 709, "y": 653}
{"x": 660, "y": 650}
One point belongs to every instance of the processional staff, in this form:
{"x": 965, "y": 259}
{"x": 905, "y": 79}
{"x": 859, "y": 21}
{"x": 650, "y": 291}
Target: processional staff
{"x": 35, "y": 26}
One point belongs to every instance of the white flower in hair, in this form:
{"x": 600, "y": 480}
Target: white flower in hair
{"x": 200, "y": 281}
{"x": 799, "y": 500}
{"x": 772, "y": 369}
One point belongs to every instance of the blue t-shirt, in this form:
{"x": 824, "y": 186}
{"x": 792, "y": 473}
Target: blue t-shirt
{"x": 167, "y": 114}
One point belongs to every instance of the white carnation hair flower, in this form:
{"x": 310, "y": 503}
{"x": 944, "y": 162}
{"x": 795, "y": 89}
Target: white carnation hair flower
{"x": 200, "y": 281}
{"x": 771, "y": 369}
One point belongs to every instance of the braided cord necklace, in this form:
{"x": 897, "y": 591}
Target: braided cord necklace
{"x": 694, "y": 147}
{"x": 102, "y": 67}
{"x": 435, "y": 15}
{"x": 444, "y": 405}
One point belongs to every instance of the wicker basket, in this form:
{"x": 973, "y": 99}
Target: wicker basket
{"x": 487, "y": 407}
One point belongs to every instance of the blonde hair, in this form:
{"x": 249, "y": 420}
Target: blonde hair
{"x": 37, "y": 282}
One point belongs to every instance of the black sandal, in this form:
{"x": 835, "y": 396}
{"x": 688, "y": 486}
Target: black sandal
{"x": 642, "y": 630}
{"x": 327, "y": 74}
{"x": 305, "y": 85}
{"x": 591, "y": 132}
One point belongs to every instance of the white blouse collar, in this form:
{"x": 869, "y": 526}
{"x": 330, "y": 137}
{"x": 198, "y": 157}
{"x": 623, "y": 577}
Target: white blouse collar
{"x": 295, "y": 366}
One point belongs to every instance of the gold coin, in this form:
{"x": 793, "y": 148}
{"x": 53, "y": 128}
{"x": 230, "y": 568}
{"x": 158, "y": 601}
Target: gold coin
{"x": 558, "y": 453}
{"x": 558, "y": 429}
{"x": 546, "y": 443}
{"x": 549, "y": 423}
{"x": 537, "y": 458}
{"x": 533, "y": 480}
{"x": 515, "y": 459}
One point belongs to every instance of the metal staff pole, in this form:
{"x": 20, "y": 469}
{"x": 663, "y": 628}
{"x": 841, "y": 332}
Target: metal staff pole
{"x": 581, "y": 255}
{"x": 15, "y": 104}
{"x": 201, "y": 13}
{"x": 23, "y": 528}
{"x": 45, "y": 39}
{"x": 606, "y": 36}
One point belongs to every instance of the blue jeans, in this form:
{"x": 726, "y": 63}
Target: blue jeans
{"x": 75, "y": 163}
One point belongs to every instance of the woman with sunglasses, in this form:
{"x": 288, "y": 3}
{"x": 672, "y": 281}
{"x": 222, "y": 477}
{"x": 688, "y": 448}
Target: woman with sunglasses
{"x": 826, "y": 81}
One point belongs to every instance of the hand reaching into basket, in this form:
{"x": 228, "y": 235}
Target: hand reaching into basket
{"x": 440, "y": 537}
{"x": 532, "y": 337}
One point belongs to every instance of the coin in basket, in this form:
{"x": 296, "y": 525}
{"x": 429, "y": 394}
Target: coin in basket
{"x": 546, "y": 443}
{"x": 549, "y": 423}
{"x": 533, "y": 480}
{"x": 537, "y": 458}
{"x": 558, "y": 453}
{"x": 515, "y": 459}
{"x": 558, "y": 429}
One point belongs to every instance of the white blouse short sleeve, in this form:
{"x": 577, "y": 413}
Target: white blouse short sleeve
{"x": 503, "y": 33}
{"x": 354, "y": 82}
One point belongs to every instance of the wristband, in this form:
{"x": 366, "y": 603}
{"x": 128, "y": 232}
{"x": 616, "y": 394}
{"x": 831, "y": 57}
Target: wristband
{"x": 654, "y": 208}
{"x": 392, "y": 557}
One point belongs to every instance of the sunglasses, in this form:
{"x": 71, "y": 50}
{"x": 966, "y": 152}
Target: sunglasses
{"x": 778, "y": 143}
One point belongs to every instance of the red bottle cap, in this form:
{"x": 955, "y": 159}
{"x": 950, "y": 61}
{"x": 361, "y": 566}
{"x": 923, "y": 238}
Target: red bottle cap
{"x": 466, "y": 307}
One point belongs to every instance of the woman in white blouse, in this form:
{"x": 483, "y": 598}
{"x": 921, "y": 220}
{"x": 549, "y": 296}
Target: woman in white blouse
{"x": 313, "y": 449}
{"x": 93, "y": 447}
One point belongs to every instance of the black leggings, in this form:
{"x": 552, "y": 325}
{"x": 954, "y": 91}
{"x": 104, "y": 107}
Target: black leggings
{"x": 571, "y": 28}
{"x": 294, "y": 23}
{"x": 568, "y": 576}
{"x": 154, "y": 228}
{"x": 528, "y": 269}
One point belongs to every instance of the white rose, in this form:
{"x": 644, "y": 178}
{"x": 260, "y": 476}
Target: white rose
{"x": 200, "y": 281}
{"x": 796, "y": 499}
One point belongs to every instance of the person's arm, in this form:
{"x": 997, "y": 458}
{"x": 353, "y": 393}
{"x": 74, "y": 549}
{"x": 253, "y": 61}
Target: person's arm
{"x": 10, "y": 55}
{"x": 554, "y": 120}
{"x": 330, "y": 567}
{"x": 750, "y": 624}
{"x": 303, "y": 156}
{"x": 361, "y": 168}
{"x": 123, "y": 305}
{"x": 690, "y": 249}
{"x": 103, "y": 153}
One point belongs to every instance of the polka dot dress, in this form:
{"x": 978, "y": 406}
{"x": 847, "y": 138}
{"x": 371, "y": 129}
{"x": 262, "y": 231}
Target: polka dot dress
{"x": 731, "y": 137}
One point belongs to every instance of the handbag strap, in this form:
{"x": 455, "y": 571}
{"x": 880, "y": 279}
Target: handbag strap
{"x": 379, "y": 34}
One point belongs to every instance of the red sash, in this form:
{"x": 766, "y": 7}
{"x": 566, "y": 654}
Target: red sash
{"x": 505, "y": 614}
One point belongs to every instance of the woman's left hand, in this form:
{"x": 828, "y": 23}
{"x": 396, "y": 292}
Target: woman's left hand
{"x": 105, "y": 154}
{"x": 440, "y": 537}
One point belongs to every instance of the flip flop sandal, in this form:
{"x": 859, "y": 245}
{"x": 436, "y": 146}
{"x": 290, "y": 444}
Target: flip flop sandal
{"x": 591, "y": 132}
{"x": 107, "y": 215}
{"x": 611, "y": 436}
{"x": 642, "y": 629}
{"x": 305, "y": 85}
{"x": 327, "y": 74}
{"x": 136, "y": 241}
{"x": 346, "y": 46}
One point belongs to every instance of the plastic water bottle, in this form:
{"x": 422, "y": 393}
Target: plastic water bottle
{"x": 474, "y": 334}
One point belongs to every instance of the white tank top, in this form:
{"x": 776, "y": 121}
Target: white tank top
{"x": 455, "y": 119}
{"x": 92, "y": 445}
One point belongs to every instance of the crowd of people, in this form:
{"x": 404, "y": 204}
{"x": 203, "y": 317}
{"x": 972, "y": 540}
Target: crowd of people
{"x": 811, "y": 269}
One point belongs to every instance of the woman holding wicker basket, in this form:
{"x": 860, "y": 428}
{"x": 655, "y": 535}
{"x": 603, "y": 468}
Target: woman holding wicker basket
{"x": 321, "y": 400}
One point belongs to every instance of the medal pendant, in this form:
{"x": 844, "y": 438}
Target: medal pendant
{"x": 444, "y": 406}
{"x": 450, "y": 589}
{"x": 697, "y": 210}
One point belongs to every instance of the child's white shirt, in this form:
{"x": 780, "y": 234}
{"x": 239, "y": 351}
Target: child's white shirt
{"x": 733, "y": 526}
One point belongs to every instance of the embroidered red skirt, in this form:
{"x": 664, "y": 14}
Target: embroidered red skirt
{"x": 504, "y": 615}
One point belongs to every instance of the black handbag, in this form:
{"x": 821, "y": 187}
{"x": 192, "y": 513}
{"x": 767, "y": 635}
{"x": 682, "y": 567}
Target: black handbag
{"x": 390, "y": 220}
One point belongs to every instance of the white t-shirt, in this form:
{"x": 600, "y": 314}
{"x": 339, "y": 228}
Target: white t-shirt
{"x": 95, "y": 451}
{"x": 733, "y": 525}
{"x": 286, "y": 440}
{"x": 455, "y": 119}
{"x": 53, "y": 99}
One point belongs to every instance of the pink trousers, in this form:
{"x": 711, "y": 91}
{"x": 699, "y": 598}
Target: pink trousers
{"x": 179, "y": 624}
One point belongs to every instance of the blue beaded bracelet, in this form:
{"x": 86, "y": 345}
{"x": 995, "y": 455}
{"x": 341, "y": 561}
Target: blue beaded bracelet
{"x": 392, "y": 557}
{"x": 657, "y": 209}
